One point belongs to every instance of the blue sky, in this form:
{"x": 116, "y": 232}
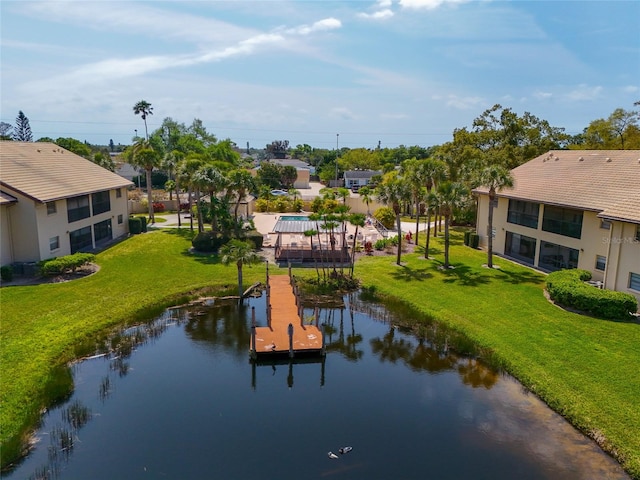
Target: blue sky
{"x": 390, "y": 71}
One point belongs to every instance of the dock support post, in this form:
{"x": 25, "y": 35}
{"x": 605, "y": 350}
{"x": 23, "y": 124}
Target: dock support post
{"x": 317, "y": 315}
{"x": 290, "y": 272}
{"x": 324, "y": 347}
{"x": 253, "y": 332}
{"x": 290, "y": 332}
{"x": 269, "y": 315}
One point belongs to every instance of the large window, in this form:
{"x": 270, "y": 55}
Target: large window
{"x": 523, "y": 213}
{"x": 555, "y": 257}
{"x": 520, "y": 247}
{"x": 80, "y": 239}
{"x": 100, "y": 202}
{"x": 78, "y": 208}
{"x": 102, "y": 231}
{"x": 634, "y": 281}
{"x": 563, "y": 221}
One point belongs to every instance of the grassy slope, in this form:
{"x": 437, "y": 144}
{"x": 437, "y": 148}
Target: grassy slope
{"x": 585, "y": 368}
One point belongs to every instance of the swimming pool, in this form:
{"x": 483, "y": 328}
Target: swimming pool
{"x": 294, "y": 218}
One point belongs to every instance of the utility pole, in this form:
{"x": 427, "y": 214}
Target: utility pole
{"x": 337, "y": 154}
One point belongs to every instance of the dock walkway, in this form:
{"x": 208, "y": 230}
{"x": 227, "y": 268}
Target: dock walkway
{"x": 284, "y": 318}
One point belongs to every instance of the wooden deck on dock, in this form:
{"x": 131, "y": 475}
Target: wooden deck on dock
{"x": 274, "y": 339}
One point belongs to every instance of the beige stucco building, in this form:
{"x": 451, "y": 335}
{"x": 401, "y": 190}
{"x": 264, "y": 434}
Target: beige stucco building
{"x": 54, "y": 203}
{"x": 571, "y": 209}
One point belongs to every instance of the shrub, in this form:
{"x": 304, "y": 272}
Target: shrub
{"x": 474, "y": 240}
{"x": 158, "y": 207}
{"x": 59, "y": 265}
{"x": 568, "y": 288}
{"x": 135, "y": 226}
{"x": 385, "y": 216}
{"x": 467, "y": 237}
{"x": 380, "y": 244}
{"x": 255, "y": 238}
{"x": 207, "y": 242}
{"x": 6, "y": 273}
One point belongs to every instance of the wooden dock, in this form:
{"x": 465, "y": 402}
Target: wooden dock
{"x": 286, "y": 332}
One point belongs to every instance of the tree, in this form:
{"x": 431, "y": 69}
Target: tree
{"x": 393, "y": 192}
{"x": 366, "y": 194}
{"x": 496, "y": 178}
{"x": 433, "y": 171}
{"x": 143, "y": 108}
{"x": 288, "y": 176}
{"x": 75, "y": 146}
{"x": 278, "y": 149}
{"x": 143, "y": 155}
{"x": 357, "y": 219}
{"x": 22, "y": 130}
{"x": 241, "y": 253}
{"x": 450, "y": 196}
{"x": 413, "y": 173}
{"x": 5, "y": 131}
{"x": 240, "y": 182}
{"x": 619, "y": 131}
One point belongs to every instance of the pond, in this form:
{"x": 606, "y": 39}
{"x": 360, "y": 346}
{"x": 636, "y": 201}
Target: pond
{"x": 179, "y": 398}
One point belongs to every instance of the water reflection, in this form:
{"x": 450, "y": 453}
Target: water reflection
{"x": 180, "y": 398}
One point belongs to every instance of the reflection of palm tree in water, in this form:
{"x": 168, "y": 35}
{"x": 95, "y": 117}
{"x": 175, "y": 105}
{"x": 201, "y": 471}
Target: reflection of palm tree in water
{"x": 347, "y": 346}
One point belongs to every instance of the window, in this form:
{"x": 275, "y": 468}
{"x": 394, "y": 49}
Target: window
{"x": 118, "y": 193}
{"x": 520, "y": 247}
{"x": 563, "y": 221}
{"x": 120, "y": 219}
{"x": 80, "y": 239}
{"x": 51, "y": 208}
{"x": 523, "y": 213}
{"x": 638, "y": 233}
{"x": 54, "y": 243}
{"x": 601, "y": 262}
{"x": 78, "y": 208}
{"x": 634, "y": 281}
{"x": 605, "y": 224}
{"x": 102, "y": 231}
{"x": 555, "y": 257}
{"x": 100, "y": 202}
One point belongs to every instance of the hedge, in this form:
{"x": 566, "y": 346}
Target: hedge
{"x": 207, "y": 242}
{"x": 59, "y": 265}
{"x": 568, "y": 288}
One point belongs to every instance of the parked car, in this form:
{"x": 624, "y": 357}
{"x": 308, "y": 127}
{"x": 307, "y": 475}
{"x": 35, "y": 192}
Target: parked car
{"x": 279, "y": 193}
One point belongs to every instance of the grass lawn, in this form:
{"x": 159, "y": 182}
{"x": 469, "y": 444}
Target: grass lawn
{"x": 585, "y": 368}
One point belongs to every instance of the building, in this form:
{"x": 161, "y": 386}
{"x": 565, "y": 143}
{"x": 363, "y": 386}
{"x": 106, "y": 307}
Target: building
{"x": 354, "y": 179}
{"x": 54, "y": 203}
{"x": 571, "y": 209}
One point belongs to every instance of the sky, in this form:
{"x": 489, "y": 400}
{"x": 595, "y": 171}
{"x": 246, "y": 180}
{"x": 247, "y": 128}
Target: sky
{"x": 324, "y": 73}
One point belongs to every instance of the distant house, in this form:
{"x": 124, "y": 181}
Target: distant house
{"x": 572, "y": 209}
{"x": 54, "y": 202}
{"x": 354, "y": 179}
{"x": 303, "y": 170}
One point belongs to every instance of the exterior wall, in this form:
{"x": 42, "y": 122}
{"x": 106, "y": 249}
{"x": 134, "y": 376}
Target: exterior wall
{"x": 623, "y": 258}
{"x": 615, "y": 244}
{"x": 302, "y": 181}
{"x": 356, "y": 205}
{"x": 6, "y": 244}
{"x": 30, "y": 227}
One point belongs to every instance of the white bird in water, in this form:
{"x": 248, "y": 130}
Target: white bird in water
{"x": 332, "y": 455}
{"x": 345, "y": 449}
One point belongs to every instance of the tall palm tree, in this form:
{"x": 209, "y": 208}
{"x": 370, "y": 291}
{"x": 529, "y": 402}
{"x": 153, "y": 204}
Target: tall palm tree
{"x": 241, "y": 182}
{"x": 143, "y": 155}
{"x": 143, "y": 108}
{"x": 450, "y": 196}
{"x": 433, "y": 172}
{"x": 241, "y": 253}
{"x": 358, "y": 220}
{"x": 413, "y": 173}
{"x": 496, "y": 177}
{"x": 366, "y": 194}
{"x": 211, "y": 180}
{"x": 187, "y": 177}
{"x": 393, "y": 192}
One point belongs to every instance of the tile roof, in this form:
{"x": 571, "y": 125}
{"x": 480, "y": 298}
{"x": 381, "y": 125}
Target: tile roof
{"x": 6, "y": 199}
{"x": 605, "y": 181}
{"x": 361, "y": 173}
{"x": 46, "y": 172}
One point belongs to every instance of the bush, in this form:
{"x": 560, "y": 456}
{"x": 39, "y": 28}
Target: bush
{"x": 135, "y": 225}
{"x": 568, "y": 288}
{"x": 6, "y": 273}
{"x": 143, "y": 223}
{"x": 474, "y": 240}
{"x": 467, "y": 237}
{"x": 158, "y": 207}
{"x": 207, "y": 242}
{"x": 255, "y": 238}
{"x": 59, "y": 265}
{"x": 385, "y": 216}
{"x": 380, "y": 244}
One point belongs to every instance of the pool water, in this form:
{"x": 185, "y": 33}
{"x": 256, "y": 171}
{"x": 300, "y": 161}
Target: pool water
{"x": 294, "y": 218}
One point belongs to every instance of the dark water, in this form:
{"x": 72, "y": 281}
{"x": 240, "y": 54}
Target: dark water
{"x": 179, "y": 399}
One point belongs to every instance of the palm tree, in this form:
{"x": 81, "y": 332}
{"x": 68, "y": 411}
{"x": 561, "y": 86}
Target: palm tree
{"x": 366, "y": 194}
{"x": 413, "y": 173}
{"x": 496, "y": 178}
{"x": 143, "y": 108}
{"x": 450, "y": 196}
{"x": 208, "y": 178}
{"x": 241, "y": 253}
{"x": 143, "y": 155}
{"x": 241, "y": 182}
{"x": 393, "y": 192}
{"x": 187, "y": 176}
{"x": 433, "y": 171}
{"x": 358, "y": 220}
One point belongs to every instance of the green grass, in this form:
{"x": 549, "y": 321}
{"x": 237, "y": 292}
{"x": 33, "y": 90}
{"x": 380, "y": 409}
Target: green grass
{"x": 584, "y": 368}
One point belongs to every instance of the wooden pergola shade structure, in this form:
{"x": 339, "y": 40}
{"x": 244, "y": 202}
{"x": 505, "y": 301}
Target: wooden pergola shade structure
{"x": 293, "y": 246}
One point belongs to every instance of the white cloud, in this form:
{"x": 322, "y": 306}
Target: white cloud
{"x": 464, "y": 103}
{"x": 427, "y": 4}
{"x": 542, "y": 95}
{"x": 342, "y": 113}
{"x": 379, "y": 15}
{"x": 630, "y": 89}
{"x": 319, "y": 26}
{"x": 584, "y": 92}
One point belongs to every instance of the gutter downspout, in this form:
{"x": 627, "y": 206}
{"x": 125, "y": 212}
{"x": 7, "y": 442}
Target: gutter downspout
{"x": 606, "y": 269}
